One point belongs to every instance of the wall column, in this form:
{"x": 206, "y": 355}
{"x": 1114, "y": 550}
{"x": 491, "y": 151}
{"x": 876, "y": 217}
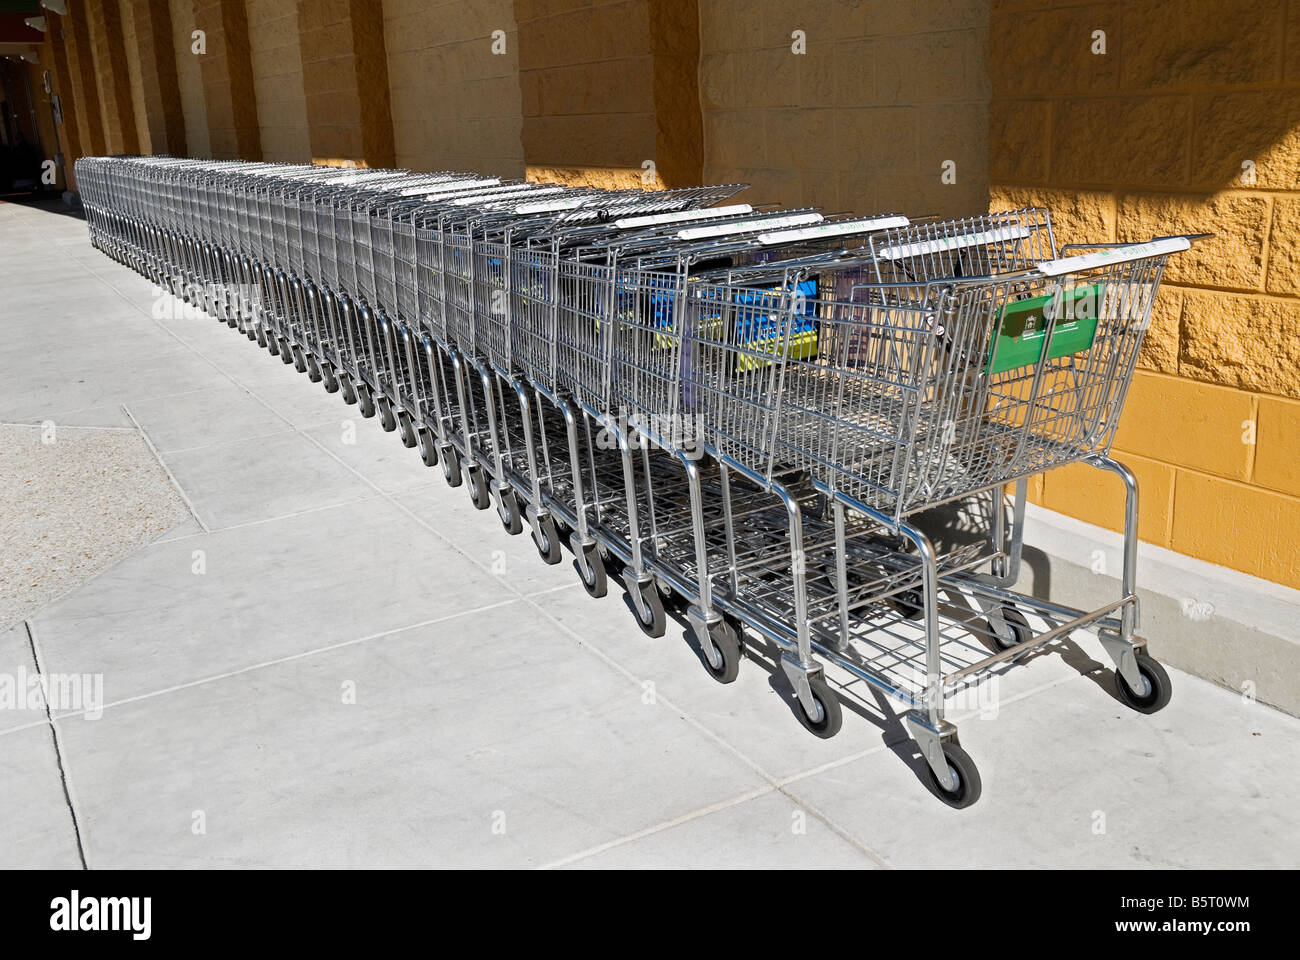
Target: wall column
{"x": 55, "y": 56}
{"x": 345, "y": 74}
{"x": 118, "y": 111}
{"x": 81, "y": 69}
{"x": 610, "y": 93}
{"x": 162, "y": 96}
{"x": 227, "y": 68}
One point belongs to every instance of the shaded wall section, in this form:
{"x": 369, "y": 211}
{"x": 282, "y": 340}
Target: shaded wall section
{"x": 453, "y": 69}
{"x": 345, "y": 76}
{"x": 163, "y": 123}
{"x": 586, "y": 75}
{"x": 134, "y": 62}
{"x": 1188, "y": 121}
{"x": 227, "y": 70}
{"x": 884, "y": 94}
{"x": 112, "y": 76}
{"x": 189, "y": 78}
{"x": 277, "y": 80}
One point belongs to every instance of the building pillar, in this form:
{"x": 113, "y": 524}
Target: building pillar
{"x": 118, "y": 110}
{"x": 81, "y": 69}
{"x": 164, "y": 113}
{"x": 345, "y": 75}
{"x": 54, "y": 55}
{"x": 227, "y": 68}
{"x": 610, "y": 93}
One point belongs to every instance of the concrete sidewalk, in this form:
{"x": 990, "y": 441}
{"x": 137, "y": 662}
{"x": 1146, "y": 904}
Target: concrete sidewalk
{"x": 337, "y": 661}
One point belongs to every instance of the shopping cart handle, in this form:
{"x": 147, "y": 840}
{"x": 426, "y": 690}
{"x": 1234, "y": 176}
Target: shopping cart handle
{"x": 1117, "y": 254}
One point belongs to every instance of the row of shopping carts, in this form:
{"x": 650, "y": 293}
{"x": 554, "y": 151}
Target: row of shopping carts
{"x": 745, "y": 415}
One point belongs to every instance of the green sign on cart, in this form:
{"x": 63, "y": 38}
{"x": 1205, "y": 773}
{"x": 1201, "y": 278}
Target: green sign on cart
{"x": 1022, "y": 327}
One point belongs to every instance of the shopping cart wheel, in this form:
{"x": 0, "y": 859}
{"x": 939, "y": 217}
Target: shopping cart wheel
{"x": 829, "y": 718}
{"x": 346, "y": 390}
{"x": 313, "y": 370}
{"x": 365, "y": 401}
{"x": 546, "y": 538}
{"x": 508, "y": 512}
{"x": 299, "y": 361}
{"x": 329, "y": 377}
{"x": 478, "y": 489}
{"x": 967, "y": 787}
{"x": 649, "y": 609}
{"x": 451, "y": 466}
{"x": 910, "y": 603}
{"x": 428, "y": 449}
{"x": 723, "y": 661}
{"x": 386, "y": 418}
{"x": 260, "y": 334}
{"x": 286, "y": 351}
{"x": 591, "y": 569}
{"x": 1011, "y": 629}
{"x": 406, "y": 429}
{"x": 1157, "y": 688}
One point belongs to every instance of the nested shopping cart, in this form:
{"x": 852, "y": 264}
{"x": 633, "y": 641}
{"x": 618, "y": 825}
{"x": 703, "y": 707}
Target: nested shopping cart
{"x": 752, "y": 412}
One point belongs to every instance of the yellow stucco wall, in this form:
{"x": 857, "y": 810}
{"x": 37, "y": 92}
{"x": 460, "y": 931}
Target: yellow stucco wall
{"x": 1189, "y": 121}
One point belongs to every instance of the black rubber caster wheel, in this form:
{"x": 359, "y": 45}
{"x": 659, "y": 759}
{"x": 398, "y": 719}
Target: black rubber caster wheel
{"x": 1011, "y": 630}
{"x": 478, "y": 487}
{"x": 330, "y": 378}
{"x": 386, "y": 418}
{"x": 723, "y": 662}
{"x": 649, "y": 610}
{"x": 451, "y": 470}
{"x": 828, "y": 717}
{"x": 508, "y": 512}
{"x": 428, "y": 449}
{"x": 591, "y": 570}
{"x": 967, "y": 787}
{"x": 546, "y": 538}
{"x": 286, "y": 352}
{"x": 365, "y": 401}
{"x": 299, "y": 359}
{"x": 313, "y": 370}
{"x": 346, "y": 390}
{"x": 406, "y": 430}
{"x": 1158, "y": 688}
{"x": 260, "y": 334}
{"x": 910, "y": 603}
{"x": 272, "y": 345}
